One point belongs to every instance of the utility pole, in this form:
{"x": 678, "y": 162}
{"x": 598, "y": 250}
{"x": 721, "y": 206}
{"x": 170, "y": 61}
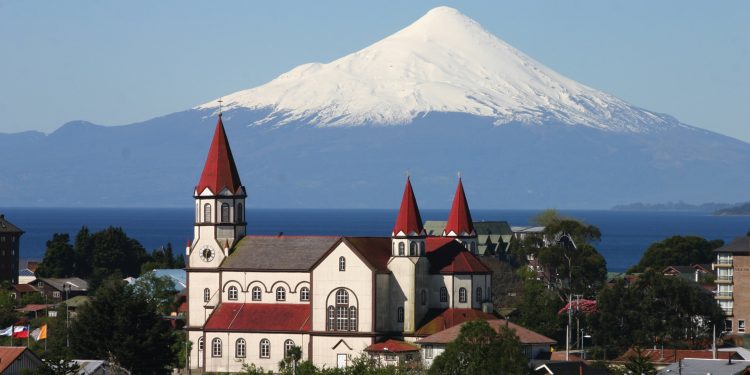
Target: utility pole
{"x": 567, "y": 330}
{"x": 66, "y": 288}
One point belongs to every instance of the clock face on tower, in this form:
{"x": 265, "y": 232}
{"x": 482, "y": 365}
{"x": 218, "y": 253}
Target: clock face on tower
{"x": 207, "y": 254}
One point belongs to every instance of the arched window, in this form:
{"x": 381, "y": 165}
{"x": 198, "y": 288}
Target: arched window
{"x": 288, "y": 345}
{"x": 265, "y": 348}
{"x": 257, "y": 294}
{"x": 401, "y": 248}
{"x": 240, "y": 348}
{"x": 400, "y": 314}
{"x": 304, "y": 294}
{"x": 224, "y": 213}
{"x": 342, "y": 264}
{"x": 280, "y": 294}
{"x": 342, "y": 297}
{"x": 342, "y": 318}
{"x": 352, "y": 318}
{"x": 462, "y": 295}
{"x": 240, "y": 213}
{"x": 331, "y": 318}
{"x": 413, "y": 249}
{"x": 479, "y": 295}
{"x": 207, "y": 213}
{"x": 473, "y": 246}
{"x": 206, "y": 295}
{"x": 421, "y": 248}
{"x": 216, "y": 347}
{"x": 465, "y": 245}
{"x": 423, "y": 297}
{"x": 201, "y": 344}
{"x": 443, "y": 294}
{"x": 232, "y": 293}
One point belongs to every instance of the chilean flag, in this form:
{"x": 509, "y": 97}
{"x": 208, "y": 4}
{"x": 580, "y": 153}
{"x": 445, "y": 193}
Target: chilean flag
{"x": 21, "y": 332}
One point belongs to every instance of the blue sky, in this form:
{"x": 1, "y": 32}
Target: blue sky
{"x": 120, "y": 62}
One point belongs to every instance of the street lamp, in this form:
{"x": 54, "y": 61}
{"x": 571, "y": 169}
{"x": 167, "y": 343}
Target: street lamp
{"x": 583, "y": 351}
{"x": 66, "y": 289}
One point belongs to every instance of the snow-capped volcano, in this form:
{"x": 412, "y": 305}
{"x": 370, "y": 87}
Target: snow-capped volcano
{"x": 443, "y": 62}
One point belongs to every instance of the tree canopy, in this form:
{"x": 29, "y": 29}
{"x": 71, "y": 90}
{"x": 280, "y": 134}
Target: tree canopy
{"x": 480, "y": 350}
{"x": 677, "y": 251}
{"x": 59, "y": 258}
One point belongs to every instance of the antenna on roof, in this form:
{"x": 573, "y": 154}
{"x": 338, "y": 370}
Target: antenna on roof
{"x": 459, "y": 175}
{"x": 220, "y": 108}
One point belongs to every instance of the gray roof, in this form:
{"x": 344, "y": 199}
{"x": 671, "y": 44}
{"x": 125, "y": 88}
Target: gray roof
{"x": 178, "y": 276}
{"x": 7, "y": 227}
{"x": 76, "y": 284}
{"x": 277, "y": 253}
{"x": 738, "y": 245}
{"x": 494, "y": 232}
{"x": 706, "y": 366}
{"x": 434, "y": 228}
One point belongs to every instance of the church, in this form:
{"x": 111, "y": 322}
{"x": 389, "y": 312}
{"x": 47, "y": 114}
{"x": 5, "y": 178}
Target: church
{"x": 252, "y": 298}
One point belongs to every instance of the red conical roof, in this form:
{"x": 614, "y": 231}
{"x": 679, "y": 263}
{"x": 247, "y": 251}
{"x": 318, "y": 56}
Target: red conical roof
{"x": 408, "y": 220}
{"x": 459, "y": 220}
{"x": 219, "y": 171}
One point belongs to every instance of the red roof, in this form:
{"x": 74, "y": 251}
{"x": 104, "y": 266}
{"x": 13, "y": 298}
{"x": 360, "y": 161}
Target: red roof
{"x": 35, "y": 307}
{"x": 392, "y": 346}
{"x": 408, "y": 221}
{"x": 586, "y": 306}
{"x": 261, "y": 317}
{"x": 446, "y": 255}
{"x": 439, "y": 320}
{"x": 672, "y": 355}
{"x": 219, "y": 171}
{"x": 9, "y": 354}
{"x": 459, "y": 220}
{"x": 24, "y": 288}
{"x": 525, "y": 336}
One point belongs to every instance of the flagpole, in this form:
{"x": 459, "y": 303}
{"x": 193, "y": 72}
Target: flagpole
{"x": 28, "y": 336}
{"x": 12, "y": 331}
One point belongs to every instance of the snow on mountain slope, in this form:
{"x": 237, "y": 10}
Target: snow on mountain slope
{"x": 443, "y": 62}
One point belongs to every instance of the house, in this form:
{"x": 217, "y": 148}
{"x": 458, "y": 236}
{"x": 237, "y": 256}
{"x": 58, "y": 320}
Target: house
{"x": 59, "y": 289}
{"x": 698, "y": 273}
{"x": 565, "y": 368}
{"x": 250, "y": 298}
{"x": 534, "y": 344}
{"x": 493, "y": 237}
{"x": 707, "y": 366}
{"x": 33, "y": 311}
{"x": 18, "y": 291}
{"x": 99, "y": 367}
{"x": 732, "y": 268}
{"x": 28, "y": 274}
{"x": 74, "y": 304}
{"x": 393, "y": 352}
{"x": 10, "y": 239}
{"x": 662, "y": 358}
{"x": 15, "y": 359}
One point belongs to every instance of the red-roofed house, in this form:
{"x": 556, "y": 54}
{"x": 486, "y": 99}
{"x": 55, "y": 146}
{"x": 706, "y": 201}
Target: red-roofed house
{"x": 393, "y": 352}
{"x": 251, "y": 298}
{"x": 663, "y": 357}
{"x": 13, "y": 359}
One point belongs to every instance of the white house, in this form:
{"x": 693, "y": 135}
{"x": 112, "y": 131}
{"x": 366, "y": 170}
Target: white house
{"x": 251, "y": 298}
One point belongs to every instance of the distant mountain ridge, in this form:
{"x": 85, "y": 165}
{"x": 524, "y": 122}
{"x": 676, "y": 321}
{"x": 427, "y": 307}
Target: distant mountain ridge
{"x": 672, "y": 206}
{"x": 739, "y": 209}
{"x": 439, "y": 97}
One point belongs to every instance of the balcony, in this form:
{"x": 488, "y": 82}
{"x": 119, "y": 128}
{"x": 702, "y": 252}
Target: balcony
{"x": 724, "y": 296}
{"x": 727, "y": 312}
{"x": 724, "y": 279}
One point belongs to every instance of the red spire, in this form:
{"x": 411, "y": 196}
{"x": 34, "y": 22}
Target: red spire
{"x": 459, "y": 220}
{"x": 408, "y": 220}
{"x": 219, "y": 171}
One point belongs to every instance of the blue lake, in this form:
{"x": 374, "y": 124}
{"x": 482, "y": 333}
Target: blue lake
{"x": 625, "y": 234}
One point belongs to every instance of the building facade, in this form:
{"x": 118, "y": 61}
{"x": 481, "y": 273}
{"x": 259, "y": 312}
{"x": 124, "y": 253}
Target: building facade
{"x": 732, "y": 267}
{"x": 10, "y": 238}
{"x": 252, "y": 298}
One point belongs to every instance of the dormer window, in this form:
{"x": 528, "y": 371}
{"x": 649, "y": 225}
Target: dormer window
{"x": 401, "y": 249}
{"x": 413, "y": 249}
{"x": 224, "y": 213}
{"x": 207, "y": 213}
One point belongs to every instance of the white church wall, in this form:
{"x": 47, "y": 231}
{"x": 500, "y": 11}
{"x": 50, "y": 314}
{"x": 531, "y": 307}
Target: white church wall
{"x": 268, "y": 282}
{"x": 198, "y": 281}
{"x": 327, "y": 349}
{"x": 229, "y": 361}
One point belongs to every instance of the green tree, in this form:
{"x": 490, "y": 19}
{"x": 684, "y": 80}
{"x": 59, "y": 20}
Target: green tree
{"x": 538, "y": 309}
{"x": 8, "y": 313}
{"x": 480, "y": 350}
{"x": 55, "y": 367}
{"x": 114, "y": 252}
{"x": 677, "y": 251}
{"x": 640, "y": 364}
{"x": 163, "y": 258}
{"x": 59, "y": 258}
{"x": 124, "y": 325}
{"x": 84, "y": 250}
{"x": 160, "y": 291}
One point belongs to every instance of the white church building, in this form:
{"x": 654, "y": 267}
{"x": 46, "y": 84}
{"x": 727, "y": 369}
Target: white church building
{"x": 251, "y": 298}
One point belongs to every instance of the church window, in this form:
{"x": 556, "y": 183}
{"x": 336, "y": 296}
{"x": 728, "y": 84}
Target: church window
{"x": 421, "y": 248}
{"x": 240, "y": 213}
{"x": 479, "y": 295}
{"x": 280, "y": 294}
{"x": 423, "y": 297}
{"x": 342, "y": 297}
{"x": 201, "y": 344}
{"x": 232, "y": 293}
{"x": 465, "y": 245}
{"x": 443, "y": 294}
{"x": 400, "y": 314}
{"x": 352, "y": 318}
{"x": 462, "y": 295}
{"x": 224, "y": 213}
{"x": 428, "y": 351}
{"x": 256, "y": 293}
{"x": 206, "y": 295}
{"x": 304, "y": 294}
{"x": 473, "y": 247}
{"x": 331, "y": 318}
{"x": 207, "y": 213}
{"x": 288, "y": 345}
{"x": 265, "y": 348}
{"x": 413, "y": 249}
{"x": 401, "y": 248}
{"x": 342, "y": 264}
{"x": 216, "y": 347}
{"x": 240, "y": 348}
{"x": 342, "y": 318}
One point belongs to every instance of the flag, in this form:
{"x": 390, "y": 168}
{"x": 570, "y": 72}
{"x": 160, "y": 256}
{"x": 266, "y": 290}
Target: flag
{"x": 7, "y": 332}
{"x": 39, "y": 333}
{"x": 21, "y": 332}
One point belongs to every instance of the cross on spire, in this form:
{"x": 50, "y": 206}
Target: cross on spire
{"x": 220, "y": 108}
